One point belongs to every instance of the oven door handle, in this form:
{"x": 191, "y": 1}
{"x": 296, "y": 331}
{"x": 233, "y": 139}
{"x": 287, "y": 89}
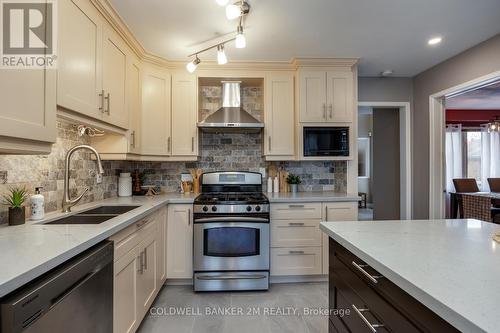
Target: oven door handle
{"x": 232, "y": 277}
{"x": 231, "y": 219}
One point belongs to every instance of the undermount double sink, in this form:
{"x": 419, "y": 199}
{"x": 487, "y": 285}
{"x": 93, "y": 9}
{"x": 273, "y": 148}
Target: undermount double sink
{"x": 94, "y": 216}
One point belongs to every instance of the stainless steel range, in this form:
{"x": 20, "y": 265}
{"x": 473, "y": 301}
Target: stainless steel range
{"x": 231, "y": 233}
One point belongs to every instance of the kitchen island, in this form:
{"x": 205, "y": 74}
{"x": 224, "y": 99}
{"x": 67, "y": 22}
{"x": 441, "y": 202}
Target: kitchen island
{"x": 415, "y": 275}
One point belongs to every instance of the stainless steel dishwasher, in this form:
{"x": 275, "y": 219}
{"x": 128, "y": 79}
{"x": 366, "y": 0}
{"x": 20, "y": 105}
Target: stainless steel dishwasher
{"x": 75, "y": 297}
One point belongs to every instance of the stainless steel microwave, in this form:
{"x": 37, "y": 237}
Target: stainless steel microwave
{"x": 326, "y": 141}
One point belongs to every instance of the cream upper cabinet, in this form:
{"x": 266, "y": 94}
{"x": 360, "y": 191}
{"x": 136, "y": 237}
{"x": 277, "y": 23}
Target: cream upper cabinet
{"x": 134, "y": 79}
{"x": 28, "y": 112}
{"x": 79, "y": 80}
{"x": 184, "y": 114}
{"x": 156, "y": 116}
{"x": 340, "y": 96}
{"x": 114, "y": 76}
{"x": 326, "y": 96}
{"x": 180, "y": 242}
{"x": 92, "y": 64}
{"x": 312, "y": 96}
{"x": 279, "y": 130}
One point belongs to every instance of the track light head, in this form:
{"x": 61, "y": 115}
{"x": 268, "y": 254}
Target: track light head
{"x": 191, "y": 67}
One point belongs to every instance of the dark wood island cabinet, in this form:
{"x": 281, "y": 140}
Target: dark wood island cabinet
{"x": 375, "y": 304}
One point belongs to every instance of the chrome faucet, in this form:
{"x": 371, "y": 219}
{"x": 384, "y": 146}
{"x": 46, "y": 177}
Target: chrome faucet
{"x": 67, "y": 202}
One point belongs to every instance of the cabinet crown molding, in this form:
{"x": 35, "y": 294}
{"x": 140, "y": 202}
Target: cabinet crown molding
{"x": 324, "y": 62}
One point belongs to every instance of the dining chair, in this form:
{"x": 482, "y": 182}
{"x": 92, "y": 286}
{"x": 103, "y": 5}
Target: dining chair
{"x": 494, "y": 184}
{"x": 465, "y": 185}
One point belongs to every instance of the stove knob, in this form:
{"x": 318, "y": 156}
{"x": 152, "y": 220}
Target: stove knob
{"x": 257, "y": 208}
{"x": 214, "y": 208}
{"x": 205, "y": 208}
{"x": 249, "y": 208}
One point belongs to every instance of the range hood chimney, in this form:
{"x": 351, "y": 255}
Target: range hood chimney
{"x": 231, "y": 115}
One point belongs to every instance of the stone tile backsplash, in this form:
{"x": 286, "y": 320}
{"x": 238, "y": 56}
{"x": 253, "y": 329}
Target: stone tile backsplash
{"x": 219, "y": 151}
{"x": 48, "y": 171}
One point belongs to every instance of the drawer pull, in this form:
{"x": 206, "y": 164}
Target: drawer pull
{"x": 296, "y": 206}
{"x": 296, "y": 224}
{"x": 295, "y": 252}
{"x": 372, "y": 278}
{"x": 372, "y": 327}
{"x": 140, "y": 224}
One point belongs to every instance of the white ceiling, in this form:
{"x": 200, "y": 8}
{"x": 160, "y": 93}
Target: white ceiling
{"x": 385, "y": 34}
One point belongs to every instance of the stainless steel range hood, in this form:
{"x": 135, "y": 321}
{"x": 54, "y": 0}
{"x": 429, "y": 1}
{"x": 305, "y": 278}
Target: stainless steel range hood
{"x": 231, "y": 115}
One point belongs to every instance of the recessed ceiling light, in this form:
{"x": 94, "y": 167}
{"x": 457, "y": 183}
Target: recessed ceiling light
{"x": 387, "y": 72}
{"x": 434, "y": 41}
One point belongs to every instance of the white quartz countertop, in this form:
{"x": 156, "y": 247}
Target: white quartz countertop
{"x": 450, "y": 266}
{"x": 326, "y": 196}
{"x": 30, "y": 250}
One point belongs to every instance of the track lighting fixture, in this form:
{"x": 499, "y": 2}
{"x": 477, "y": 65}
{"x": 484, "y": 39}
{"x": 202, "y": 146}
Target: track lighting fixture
{"x": 240, "y": 40}
{"x": 221, "y": 55}
{"x": 191, "y": 67}
{"x": 237, "y": 9}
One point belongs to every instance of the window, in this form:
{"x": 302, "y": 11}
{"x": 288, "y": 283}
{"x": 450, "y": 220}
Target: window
{"x": 472, "y": 154}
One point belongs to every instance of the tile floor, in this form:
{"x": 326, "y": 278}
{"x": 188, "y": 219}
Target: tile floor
{"x": 299, "y": 297}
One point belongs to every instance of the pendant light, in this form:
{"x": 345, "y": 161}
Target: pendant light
{"x": 240, "y": 41}
{"x": 221, "y": 55}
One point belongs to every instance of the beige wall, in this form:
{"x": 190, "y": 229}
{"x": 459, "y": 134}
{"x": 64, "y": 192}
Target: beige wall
{"x": 390, "y": 89}
{"x": 478, "y": 61}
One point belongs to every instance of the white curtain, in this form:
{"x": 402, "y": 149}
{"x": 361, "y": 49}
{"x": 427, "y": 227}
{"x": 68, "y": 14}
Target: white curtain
{"x": 453, "y": 161}
{"x": 490, "y": 157}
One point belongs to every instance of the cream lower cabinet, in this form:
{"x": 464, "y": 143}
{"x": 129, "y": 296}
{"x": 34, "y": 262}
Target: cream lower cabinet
{"x": 139, "y": 261}
{"x": 296, "y": 239}
{"x": 180, "y": 242}
{"x": 279, "y": 131}
{"x": 336, "y": 211}
{"x": 298, "y": 246}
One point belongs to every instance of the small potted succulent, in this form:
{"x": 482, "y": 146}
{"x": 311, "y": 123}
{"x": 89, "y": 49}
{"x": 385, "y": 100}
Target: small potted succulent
{"x": 294, "y": 182}
{"x": 15, "y": 199}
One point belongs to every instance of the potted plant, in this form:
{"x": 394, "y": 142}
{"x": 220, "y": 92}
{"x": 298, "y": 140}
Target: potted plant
{"x": 15, "y": 200}
{"x": 294, "y": 182}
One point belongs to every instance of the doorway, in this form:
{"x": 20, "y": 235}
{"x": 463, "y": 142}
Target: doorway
{"x": 437, "y": 166}
{"x": 384, "y": 160}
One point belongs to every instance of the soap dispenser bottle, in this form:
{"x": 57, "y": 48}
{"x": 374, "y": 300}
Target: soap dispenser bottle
{"x": 37, "y": 205}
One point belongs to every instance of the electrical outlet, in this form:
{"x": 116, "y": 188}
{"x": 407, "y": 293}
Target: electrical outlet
{"x": 98, "y": 178}
{"x": 263, "y": 172}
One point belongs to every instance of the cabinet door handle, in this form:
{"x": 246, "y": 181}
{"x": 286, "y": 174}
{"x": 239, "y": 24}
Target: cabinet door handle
{"x": 326, "y": 213}
{"x": 331, "y": 111}
{"x": 132, "y": 136}
{"x": 372, "y": 278}
{"x": 108, "y": 108}
{"x": 324, "y": 110}
{"x": 189, "y": 216}
{"x": 295, "y": 252}
{"x": 269, "y": 143}
{"x": 169, "y": 144}
{"x": 146, "y": 259}
{"x": 372, "y": 327}
{"x": 141, "y": 264}
{"x": 101, "y": 95}
{"x": 192, "y": 144}
{"x": 296, "y": 224}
